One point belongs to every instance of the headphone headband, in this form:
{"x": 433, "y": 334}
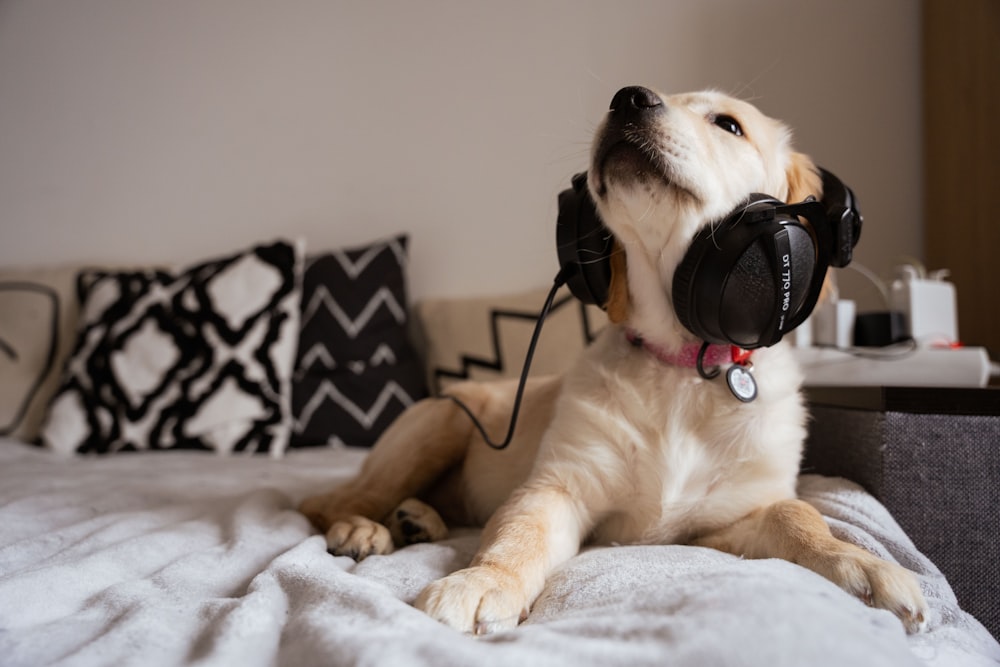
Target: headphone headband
{"x": 842, "y": 217}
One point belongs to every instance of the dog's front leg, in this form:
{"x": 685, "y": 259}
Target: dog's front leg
{"x": 795, "y": 531}
{"x": 539, "y": 527}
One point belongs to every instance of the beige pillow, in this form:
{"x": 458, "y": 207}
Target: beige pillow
{"x": 38, "y": 315}
{"x": 486, "y": 338}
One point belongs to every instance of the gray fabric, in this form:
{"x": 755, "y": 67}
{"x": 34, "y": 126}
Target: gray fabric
{"x": 943, "y": 479}
{"x": 846, "y": 443}
{"x": 939, "y": 476}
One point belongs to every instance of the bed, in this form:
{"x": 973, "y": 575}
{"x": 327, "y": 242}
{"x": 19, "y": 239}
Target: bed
{"x": 173, "y": 558}
{"x": 165, "y": 541}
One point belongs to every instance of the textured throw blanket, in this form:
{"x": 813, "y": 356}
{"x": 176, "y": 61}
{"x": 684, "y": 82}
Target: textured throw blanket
{"x": 188, "y": 558}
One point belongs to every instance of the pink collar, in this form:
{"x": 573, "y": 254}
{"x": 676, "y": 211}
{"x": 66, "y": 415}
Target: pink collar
{"x": 687, "y": 356}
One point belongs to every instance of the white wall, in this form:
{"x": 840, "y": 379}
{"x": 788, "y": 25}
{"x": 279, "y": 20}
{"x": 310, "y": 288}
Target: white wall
{"x": 141, "y": 131}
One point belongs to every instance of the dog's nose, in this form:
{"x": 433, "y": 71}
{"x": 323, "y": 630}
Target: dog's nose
{"x": 635, "y": 100}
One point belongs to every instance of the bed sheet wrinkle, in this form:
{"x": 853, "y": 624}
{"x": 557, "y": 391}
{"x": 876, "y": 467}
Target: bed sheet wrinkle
{"x": 52, "y": 644}
{"x": 195, "y": 547}
{"x": 244, "y": 630}
{"x": 21, "y": 515}
{"x": 109, "y": 532}
{"x": 411, "y": 569}
{"x": 234, "y": 616}
{"x": 693, "y": 611}
{"x": 68, "y": 580}
{"x": 338, "y": 615}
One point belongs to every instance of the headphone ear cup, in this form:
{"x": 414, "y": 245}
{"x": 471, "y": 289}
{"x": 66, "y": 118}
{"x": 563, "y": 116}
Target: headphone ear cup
{"x": 725, "y": 290}
{"x": 683, "y": 286}
{"x": 843, "y": 217}
{"x": 584, "y": 245}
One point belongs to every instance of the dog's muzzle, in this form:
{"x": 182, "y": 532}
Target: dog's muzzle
{"x": 629, "y": 145}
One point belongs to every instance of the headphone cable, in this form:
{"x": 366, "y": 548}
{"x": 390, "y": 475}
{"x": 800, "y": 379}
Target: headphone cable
{"x": 557, "y": 282}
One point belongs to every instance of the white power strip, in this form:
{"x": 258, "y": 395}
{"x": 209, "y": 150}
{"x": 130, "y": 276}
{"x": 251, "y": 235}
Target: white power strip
{"x": 927, "y": 303}
{"x": 921, "y": 367}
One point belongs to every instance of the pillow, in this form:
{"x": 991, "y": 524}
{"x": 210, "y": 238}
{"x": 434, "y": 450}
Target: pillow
{"x": 357, "y": 369}
{"x": 198, "y": 358}
{"x": 487, "y": 338}
{"x": 36, "y": 336}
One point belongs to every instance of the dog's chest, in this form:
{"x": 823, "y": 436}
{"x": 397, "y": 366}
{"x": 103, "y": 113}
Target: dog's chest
{"x": 675, "y": 485}
{"x": 677, "y": 455}
{"x": 692, "y": 460}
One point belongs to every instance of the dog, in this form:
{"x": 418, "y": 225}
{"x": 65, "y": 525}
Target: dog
{"x": 629, "y": 446}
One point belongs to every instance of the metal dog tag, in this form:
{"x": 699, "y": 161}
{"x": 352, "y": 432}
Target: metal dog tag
{"x": 741, "y": 383}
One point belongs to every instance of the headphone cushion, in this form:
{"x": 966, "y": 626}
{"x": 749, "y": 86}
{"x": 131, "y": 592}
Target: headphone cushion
{"x": 584, "y": 245}
{"x": 683, "y": 285}
{"x": 717, "y": 286}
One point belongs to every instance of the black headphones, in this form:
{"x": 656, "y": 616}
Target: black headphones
{"x": 746, "y": 280}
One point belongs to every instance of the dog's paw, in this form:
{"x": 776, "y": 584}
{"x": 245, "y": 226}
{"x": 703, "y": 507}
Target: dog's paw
{"x": 414, "y": 521}
{"x": 477, "y": 600}
{"x": 358, "y": 537}
{"x": 884, "y": 585}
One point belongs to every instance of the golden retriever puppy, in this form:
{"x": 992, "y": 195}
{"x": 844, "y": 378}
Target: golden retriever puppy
{"x": 627, "y": 447}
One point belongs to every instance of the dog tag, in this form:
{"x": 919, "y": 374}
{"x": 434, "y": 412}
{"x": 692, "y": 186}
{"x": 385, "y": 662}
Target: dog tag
{"x": 741, "y": 383}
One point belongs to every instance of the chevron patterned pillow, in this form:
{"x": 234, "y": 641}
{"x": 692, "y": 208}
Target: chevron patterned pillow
{"x": 198, "y": 358}
{"x": 356, "y": 369}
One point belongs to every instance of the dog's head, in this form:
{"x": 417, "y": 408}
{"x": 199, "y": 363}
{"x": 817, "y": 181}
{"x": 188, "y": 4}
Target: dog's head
{"x": 662, "y": 167}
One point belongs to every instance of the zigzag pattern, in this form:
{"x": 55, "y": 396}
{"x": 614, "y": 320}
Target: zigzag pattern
{"x": 383, "y": 355}
{"x": 355, "y": 371}
{"x": 497, "y": 362}
{"x": 353, "y": 326}
{"x": 354, "y": 267}
{"x": 316, "y": 356}
{"x": 367, "y": 418}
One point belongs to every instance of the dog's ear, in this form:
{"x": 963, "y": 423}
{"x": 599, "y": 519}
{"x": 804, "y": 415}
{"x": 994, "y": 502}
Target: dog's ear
{"x": 618, "y": 299}
{"x": 803, "y": 179}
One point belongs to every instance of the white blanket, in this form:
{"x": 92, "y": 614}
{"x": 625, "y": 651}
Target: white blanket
{"x": 188, "y": 558}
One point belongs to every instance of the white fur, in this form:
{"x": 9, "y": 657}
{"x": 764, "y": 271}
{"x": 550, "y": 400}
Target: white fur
{"x": 663, "y": 455}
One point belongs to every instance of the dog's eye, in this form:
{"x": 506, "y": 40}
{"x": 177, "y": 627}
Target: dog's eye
{"x": 729, "y": 124}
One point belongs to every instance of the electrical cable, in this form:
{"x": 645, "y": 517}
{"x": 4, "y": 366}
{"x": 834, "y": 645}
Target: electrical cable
{"x": 873, "y": 278}
{"x": 558, "y": 282}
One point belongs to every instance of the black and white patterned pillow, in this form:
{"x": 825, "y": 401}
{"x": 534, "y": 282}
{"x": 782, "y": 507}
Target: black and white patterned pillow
{"x": 199, "y": 358}
{"x": 357, "y": 369}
